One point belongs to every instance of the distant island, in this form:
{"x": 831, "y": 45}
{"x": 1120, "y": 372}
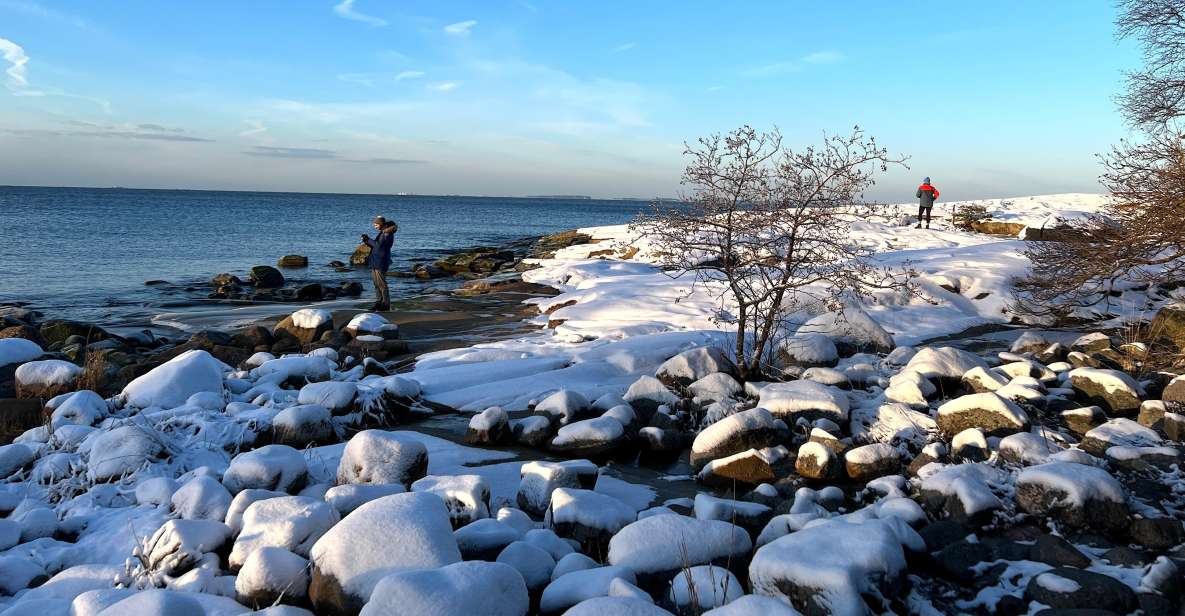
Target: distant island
{"x": 558, "y": 197}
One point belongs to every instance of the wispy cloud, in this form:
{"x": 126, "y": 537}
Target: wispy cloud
{"x": 346, "y": 10}
{"x": 278, "y": 152}
{"x": 109, "y": 132}
{"x": 791, "y": 66}
{"x": 16, "y": 58}
{"x": 461, "y": 28}
{"x": 257, "y": 128}
{"x": 622, "y": 48}
{"x": 41, "y": 11}
{"x": 324, "y": 154}
{"x": 444, "y": 86}
{"x": 823, "y": 57}
{"x": 371, "y": 80}
{"x": 409, "y": 75}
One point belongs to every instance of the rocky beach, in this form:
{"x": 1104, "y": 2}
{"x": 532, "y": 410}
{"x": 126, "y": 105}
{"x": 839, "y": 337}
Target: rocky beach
{"x": 561, "y": 429}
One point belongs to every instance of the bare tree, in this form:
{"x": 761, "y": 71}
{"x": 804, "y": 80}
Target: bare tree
{"x": 1155, "y": 94}
{"x": 1140, "y": 236}
{"x": 766, "y": 227}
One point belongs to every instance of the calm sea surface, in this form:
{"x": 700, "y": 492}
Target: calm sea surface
{"x": 85, "y": 253}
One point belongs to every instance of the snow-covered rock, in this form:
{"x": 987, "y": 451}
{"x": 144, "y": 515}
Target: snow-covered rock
{"x": 14, "y": 457}
{"x": 347, "y": 498}
{"x": 471, "y": 588}
{"x": 337, "y": 396}
{"x": 1075, "y": 495}
{"x": 715, "y": 387}
{"x": 18, "y": 351}
{"x": 46, "y": 378}
{"x": 909, "y": 387}
{"x": 306, "y": 324}
{"x": 751, "y": 429}
{"x": 122, "y": 451}
{"x": 657, "y": 547}
{"x": 754, "y": 605}
{"x": 963, "y": 491}
{"x": 1121, "y": 432}
{"x": 489, "y": 427}
{"x": 81, "y": 408}
{"x": 563, "y": 407}
{"x": 271, "y": 467}
{"x": 581, "y": 585}
{"x": 704, "y": 587}
{"x": 893, "y": 424}
{"x": 944, "y": 363}
{"x": 693, "y": 365}
{"x": 1113, "y": 390}
{"x": 170, "y": 384}
{"x": 302, "y": 425}
{"x": 588, "y": 517}
{"x": 178, "y": 545}
{"x": 852, "y": 329}
{"x": 807, "y": 351}
{"x": 294, "y": 523}
{"x": 980, "y": 380}
{"x": 201, "y": 498}
{"x": 834, "y": 567}
{"x": 816, "y": 461}
{"x": 871, "y": 461}
{"x": 539, "y": 479}
{"x": 532, "y": 562}
{"x": 804, "y": 400}
{"x": 377, "y": 456}
{"x": 595, "y": 438}
{"x": 270, "y": 575}
{"x": 466, "y": 496}
{"x": 986, "y": 411}
{"x": 358, "y": 552}
{"x": 1028, "y": 448}
{"x": 615, "y": 606}
{"x": 484, "y": 539}
{"x": 647, "y": 394}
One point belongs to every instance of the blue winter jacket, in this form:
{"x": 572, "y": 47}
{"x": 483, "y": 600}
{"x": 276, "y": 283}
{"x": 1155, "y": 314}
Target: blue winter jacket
{"x": 380, "y": 251}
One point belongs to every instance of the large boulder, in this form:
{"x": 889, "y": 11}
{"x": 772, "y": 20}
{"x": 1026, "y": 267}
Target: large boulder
{"x": 752, "y": 429}
{"x": 837, "y": 567}
{"x": 1076, "y": 495}
{"x": 852, "y": 330}
{"x": 963, "y": 492}
{"x": 655, "y": 548}
{"x": 868, "y": 462}
{"x": 1115, "y": 391}
{"x": 377, "y": 456}
{"x": 350, "y": 560}
{"x": 986, "y": 411}
{"x": 492, "y": 589}
{"x": 170, "y": 384}
{"x": 944, "y": 366}
{"x": 751, "y": 467}
{"x": 690, "y": 366}
{"x": 18, "y": 351}
{"x": 807, "y": 351}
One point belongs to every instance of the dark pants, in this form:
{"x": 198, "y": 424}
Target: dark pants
{"x": 924, "y": 211}
{"x": 380, "y": 286}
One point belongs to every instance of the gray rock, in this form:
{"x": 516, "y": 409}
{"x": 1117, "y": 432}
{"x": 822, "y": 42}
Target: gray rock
{"x": 1065, "y": 587}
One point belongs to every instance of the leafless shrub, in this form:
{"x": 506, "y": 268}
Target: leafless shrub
{"x": 966, "y": 216}
{"x": 767, "y": 228}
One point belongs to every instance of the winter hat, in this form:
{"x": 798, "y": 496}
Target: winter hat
{"x": 926, "y": 180}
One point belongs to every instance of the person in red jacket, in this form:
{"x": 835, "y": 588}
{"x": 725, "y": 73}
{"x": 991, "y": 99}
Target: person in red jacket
{"x": 927, "y": 195}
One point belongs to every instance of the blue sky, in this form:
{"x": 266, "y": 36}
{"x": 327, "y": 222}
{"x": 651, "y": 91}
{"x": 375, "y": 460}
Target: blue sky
{"x": 532, "y": 97}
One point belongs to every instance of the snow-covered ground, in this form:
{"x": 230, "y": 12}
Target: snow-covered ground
{"x": 906, "y": 480}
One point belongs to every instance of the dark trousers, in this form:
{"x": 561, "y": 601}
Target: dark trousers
{"x": 380, "y": 286}
{"x": 924, "y": 211}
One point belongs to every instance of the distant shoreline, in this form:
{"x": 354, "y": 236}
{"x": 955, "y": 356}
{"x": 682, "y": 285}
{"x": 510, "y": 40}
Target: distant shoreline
{"x": 306, "y": 192}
